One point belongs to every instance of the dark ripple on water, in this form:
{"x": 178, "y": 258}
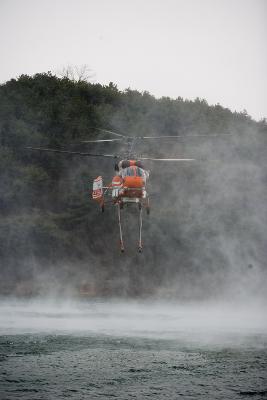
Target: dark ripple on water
{"x": 148, "y": 351}
{"x": 93, "y": 367}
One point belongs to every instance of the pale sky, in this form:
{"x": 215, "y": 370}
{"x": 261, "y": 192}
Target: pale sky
{"x": 212, "y": 49}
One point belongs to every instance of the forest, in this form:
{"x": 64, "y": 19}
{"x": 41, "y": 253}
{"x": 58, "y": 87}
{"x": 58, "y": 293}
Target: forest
{"x": 208, "y": 219}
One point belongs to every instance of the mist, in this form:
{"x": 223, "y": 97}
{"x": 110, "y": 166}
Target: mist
{"x": 205, "y": 237}
{"x": 204, "y": 323}
{"x": 190, "y": 308}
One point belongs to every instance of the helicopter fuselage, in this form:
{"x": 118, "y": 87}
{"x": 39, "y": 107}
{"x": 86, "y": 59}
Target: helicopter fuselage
{"x": 127, "y": 186}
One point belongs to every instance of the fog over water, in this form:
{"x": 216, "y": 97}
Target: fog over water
{"x": 98, "y": 349}
{"x": 204, "y": 322}
{"x": 187, "y": 317}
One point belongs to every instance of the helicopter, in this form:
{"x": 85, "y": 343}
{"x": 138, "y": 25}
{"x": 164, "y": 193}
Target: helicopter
{"x": 129, "y": 184}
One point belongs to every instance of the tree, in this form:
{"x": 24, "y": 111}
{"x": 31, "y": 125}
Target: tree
{"x": 82, "y": 73}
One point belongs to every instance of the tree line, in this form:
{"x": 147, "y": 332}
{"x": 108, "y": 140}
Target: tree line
{"x": 50, "y": 231}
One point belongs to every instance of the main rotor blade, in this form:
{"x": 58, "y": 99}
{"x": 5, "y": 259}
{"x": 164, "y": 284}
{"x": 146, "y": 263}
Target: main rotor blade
{"x": 101, "y": 140}
{"x": 167, "y": 159}
{"x": 184, "y": 136}
{"x": 72, "y": 152}
{"x": 111, "y": 132}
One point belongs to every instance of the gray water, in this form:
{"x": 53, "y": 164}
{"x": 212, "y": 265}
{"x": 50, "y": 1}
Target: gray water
{"x": 132, "y": 350}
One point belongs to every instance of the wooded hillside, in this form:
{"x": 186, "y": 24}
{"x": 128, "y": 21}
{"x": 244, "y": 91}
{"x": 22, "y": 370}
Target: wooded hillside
{"x": 206, "y": 219}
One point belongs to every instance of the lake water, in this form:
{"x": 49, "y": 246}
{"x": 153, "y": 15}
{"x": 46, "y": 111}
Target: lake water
{"x": 132, "y": 350}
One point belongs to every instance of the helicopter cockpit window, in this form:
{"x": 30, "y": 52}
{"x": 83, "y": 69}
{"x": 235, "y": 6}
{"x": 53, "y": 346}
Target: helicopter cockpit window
{"x": 133, "y": 171}
{"x": 140, "y": 172}
{"x": 128, "y": 172}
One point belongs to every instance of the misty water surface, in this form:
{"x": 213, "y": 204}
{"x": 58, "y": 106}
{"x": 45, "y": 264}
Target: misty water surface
{"x": 130, "y": 349}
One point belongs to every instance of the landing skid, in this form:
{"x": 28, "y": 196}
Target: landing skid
{"x": 140, "y": 247}
{"x": 120, "y": 228}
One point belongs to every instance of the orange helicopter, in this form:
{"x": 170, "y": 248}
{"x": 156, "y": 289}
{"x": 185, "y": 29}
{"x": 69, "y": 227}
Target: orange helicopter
{"x": 128, "y": 185}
